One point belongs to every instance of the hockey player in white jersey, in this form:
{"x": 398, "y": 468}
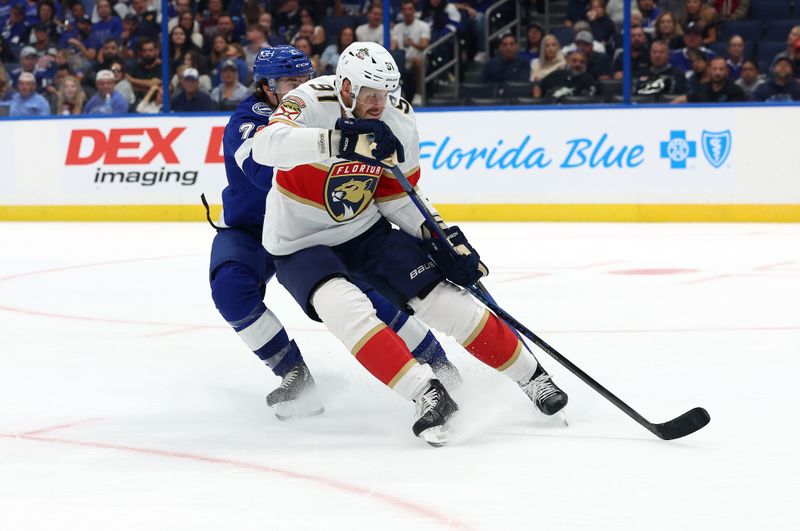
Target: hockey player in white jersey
{"x": 330, "y": 211}
{"x": 240, "y": 267}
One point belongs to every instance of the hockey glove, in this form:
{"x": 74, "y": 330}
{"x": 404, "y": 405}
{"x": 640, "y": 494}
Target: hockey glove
{"x": 466, "y": 268}
{"x": 367, "y": 140}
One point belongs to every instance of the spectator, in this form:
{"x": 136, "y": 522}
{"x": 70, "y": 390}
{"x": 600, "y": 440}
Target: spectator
{"x": 575, "y": 80}
{"x": 735, "y": 57}
{"x": 782, "y": 86}
{"x": 700, "y": 72}
{"x": 123, "y": 86}
{"x": 288, "y": 17}
{"x": 533, "y": 44}
{"x": 348, "y": 7}
{"x": 191, "y": 98}
{"x": 507, "y": 65}
{"x": 442, "y": 17}
{"x": 204, "y": 82}
{"x": 16, "y": 30}
{"x": 147, "y": 71}
{"x": 107, "y": 100}
{"x": 229, "y": 92}
{"x": 330, "y": 57}
{"x": 640, "y": 54}
{"x": 603, "y": 28}
{"x": 475, "y": 27}
{"x": 256, "y": 36}
{"x": 667, "y": 29}
{"x": 719, "y": 89}
{"x": 579, "y": 27}
{"x": 47, "y": 22}
{"x": 615, "y": 9}
{"x": 599, "y": 66}
{"x": 551, "y": 59}
{"x": 650, "y": 14}
{"x": 692, "y": 40}
{"x": 576, "y": 11}
{"x": 791, "y": 41}
{"x": 108, "y": 25}
{"x": 28, "y": 58}
{"x": 191, "y": 28}
{"x": 146, "y": 20}
{"x": 304, "y": 45}
{"x": 704, "y": 16}
{"x": 181, "y": 7}
{"x": 209, "y": 19}
{"x": 5, "y": 84}
{"x": 235, "y": 53}
{"x": 227, "y": 28}
{"x": 412, "y": 36}
{"x": 266, "y": 20}
{"x": 731, "y": 9}
{"x": 152, "y": 101}
{"x": 77, "y": 11}
{"x": 316, "y": 35}
{"x": 372, "y": 29}
{"x": 70, "y": 98}
{"x": 108, "y": 53}
{"x": 219, "y": 49}
{"x": 81, "y": 40}
{"x": 179, "y": 46}
{"x": 26, "y": 101}
{"x": 40, "y": 39}
{"x": 750, "y": 79}
{"x": 661, "y": 77}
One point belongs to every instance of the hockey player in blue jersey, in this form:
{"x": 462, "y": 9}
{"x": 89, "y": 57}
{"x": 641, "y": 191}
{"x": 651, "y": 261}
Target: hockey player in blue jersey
{"x": 240, "y": 267}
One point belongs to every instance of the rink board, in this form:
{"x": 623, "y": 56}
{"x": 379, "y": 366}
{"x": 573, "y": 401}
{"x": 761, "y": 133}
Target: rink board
{"x": 599, "y": 164}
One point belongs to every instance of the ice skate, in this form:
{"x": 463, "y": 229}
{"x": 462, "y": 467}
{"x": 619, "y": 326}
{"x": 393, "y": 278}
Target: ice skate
{"x": 296, "y": 396}
{"x": 447, "y": 373}
{"x": 546, "y": 395}
{"x": 434, "y": 408}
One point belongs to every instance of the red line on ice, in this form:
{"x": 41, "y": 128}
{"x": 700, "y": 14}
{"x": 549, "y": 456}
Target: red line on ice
{"x": 58, "y": 427}
{"x": 387, "y": 499}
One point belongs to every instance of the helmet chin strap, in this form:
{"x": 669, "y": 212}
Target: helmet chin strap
{"x": 348, "y": 110}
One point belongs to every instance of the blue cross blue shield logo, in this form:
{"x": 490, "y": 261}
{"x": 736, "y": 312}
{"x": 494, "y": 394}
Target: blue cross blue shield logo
{"x": 716, "y": 146}
{"x": 677, "y": 149}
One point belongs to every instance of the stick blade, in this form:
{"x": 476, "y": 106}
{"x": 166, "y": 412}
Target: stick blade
{"x": 684, "y": 425}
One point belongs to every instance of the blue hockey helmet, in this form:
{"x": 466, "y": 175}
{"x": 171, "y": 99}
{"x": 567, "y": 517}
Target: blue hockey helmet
{"x": 281, "y": 61}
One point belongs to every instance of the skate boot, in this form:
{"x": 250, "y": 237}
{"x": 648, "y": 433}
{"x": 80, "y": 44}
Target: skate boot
{"x": 434, "y": 408}
{"x": 546, "y": 395}
{"x": 296, "y": 396}
{"x": 447, "y": 373}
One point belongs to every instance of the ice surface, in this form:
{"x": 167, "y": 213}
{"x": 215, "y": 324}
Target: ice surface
{"x": 126, "y": 403}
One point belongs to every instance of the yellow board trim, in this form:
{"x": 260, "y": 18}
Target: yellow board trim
{"x": 457, "y": 212}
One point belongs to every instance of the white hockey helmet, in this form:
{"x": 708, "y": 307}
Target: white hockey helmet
{"x": 365, "y": 64}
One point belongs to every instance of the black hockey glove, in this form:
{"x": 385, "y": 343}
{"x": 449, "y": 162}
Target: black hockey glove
{"x": 386, "y": 143}
{"x": 465, "y": 269}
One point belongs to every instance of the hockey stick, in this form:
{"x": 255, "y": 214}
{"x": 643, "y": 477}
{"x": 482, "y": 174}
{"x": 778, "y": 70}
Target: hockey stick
{"x": 680, "y": 426}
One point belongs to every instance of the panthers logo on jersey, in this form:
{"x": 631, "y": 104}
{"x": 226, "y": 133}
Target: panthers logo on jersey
{"x": 349, "y": 189}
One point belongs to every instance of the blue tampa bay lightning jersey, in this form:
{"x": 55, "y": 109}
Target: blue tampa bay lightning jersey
{"x": 244, "y": 199}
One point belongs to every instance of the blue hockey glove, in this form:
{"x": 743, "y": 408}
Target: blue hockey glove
{"x": 465, "y": 269}
{"x": 386, "y": 143}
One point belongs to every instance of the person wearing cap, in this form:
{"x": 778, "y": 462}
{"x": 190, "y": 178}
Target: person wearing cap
{"x": 16, "y": 29}
{"x": 599, "y": 64}
{"x": 41, "y": 38}
{"x": 28, "y": 59}
{"x": 229, "y": 92}
{"x": 80, "y": 39}
{"x": 191, "y": 98}
{"x": 507, "y": 65}
{"x": 107, "y": 100}
{"x": 27, "y": 102}
{"x": 781, "y": 85}
{"x": 692, "y": 39}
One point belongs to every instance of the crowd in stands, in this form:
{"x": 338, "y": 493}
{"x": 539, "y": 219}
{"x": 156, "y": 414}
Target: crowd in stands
{"x": 68, "y": 57}
{"x": 681, "y": 51}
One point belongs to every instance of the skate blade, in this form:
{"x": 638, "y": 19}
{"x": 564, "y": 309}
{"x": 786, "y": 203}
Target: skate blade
{"x": 294, "y": 409}
{"x": 437, "y": 436}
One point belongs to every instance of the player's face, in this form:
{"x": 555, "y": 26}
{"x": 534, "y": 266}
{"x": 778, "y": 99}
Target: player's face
{"x": 370, "y": 103}
{"x": 285, "y": 84}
